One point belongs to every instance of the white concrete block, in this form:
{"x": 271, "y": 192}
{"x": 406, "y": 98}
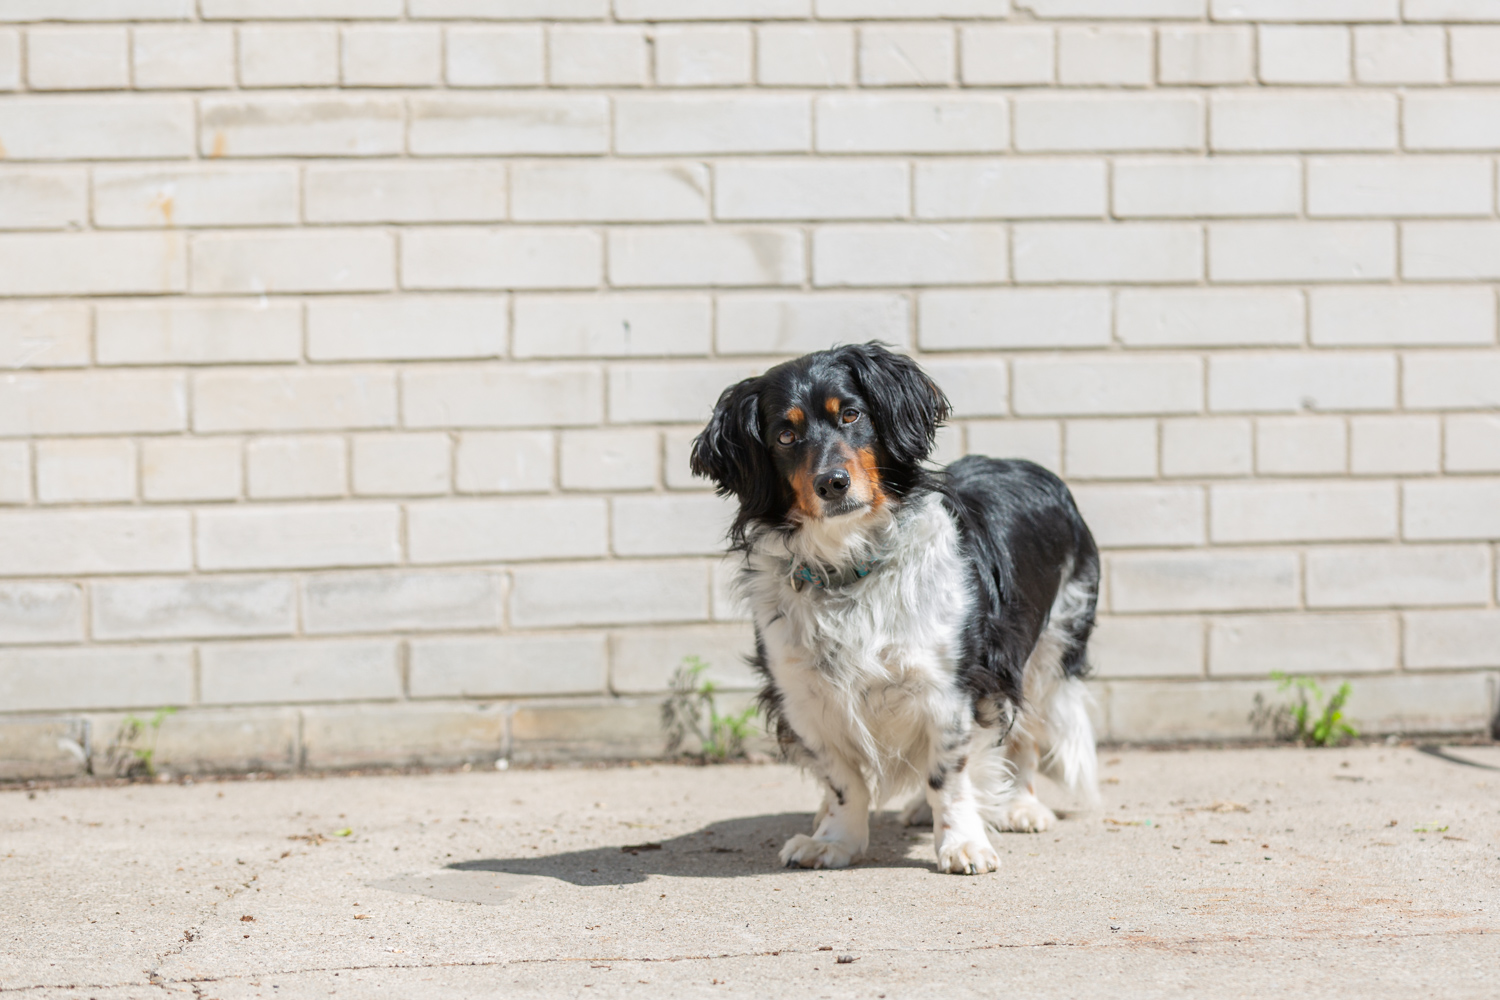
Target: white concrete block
{"x": 702, "y": 56}
{"x": 1251, "y": 121}
{"x": 392, "y": 56}
{"x": 912, "y": 123}
{"x": 1205, "y": 446}
{"x": 502, "y": 396}
{"x": 195, "y": 332}
{"x": 1377, "y": 576}
{"x": 1113, "y": 56}
{"x": 977, "y": 387}
{"x": 911, "y": 9}
{"x": 495, "y": 57}
{"x": 671, "y": 525}
{"x": 46, "y": 198}
{"x": 1038, "y": 441}
{"x": 598, "y": 56}
{"x": 1450, "y": 380}
{"x": 409, "y": 327}
{"x": 1386, "y": 55}
{"x": 92, "y": 263}
{"x": 468, "y": 531}
{"x": 102, "y": 402}
{"x": 172, "y": 57}
{"x": 687, "y": 256}
{"x": 1270, "y": 383}
{"x": 772, "y": 323}
{"x": 1029, "y": 188}
{"x": 563, "y": 326}
{"x": 401, "y": 464}
{"x": 289, "y": 399}
{"x": 620, "y": 593}
{"x": 1013, "y": 318}
{"x": 1304, "y": 10}
{"x": 510, "y": 257}
{"x": 731, "y": 122}
{"x": 1399, "y": 186}
{"x": 1301, "y": 446}
{"x": 406, "y": 193}
{"x": 1454, "y": 509}
{"x": 292, "y": 468}
{"x": 1474, "y": 52}
{"x": 10, "y": 60}
{"x": 1108, "y": 122}
{"x": 120, "y": 678}
{"x": 804, "y": 56}
{"x": 1402, "y": 316}
{"x": 293, "y": 536}
{"x": 68, "y": 543}
{"x": 799, "y": 189}
{"x": 1006, "y": 55}
{"x": 1204, "y": 581}
{"x": 44, "y": 335}
{"x": 505, "y": 462}
{"x": 289, "y": 55}
{"x": 79, "y": 128}
{"x": 246, "y": 673}
{"x": 41, "y": 612}
{"x": 895, "y": 254}
{"x": 1394, "y": 445}
{"x": 1140, "y": 516}
{"x": 1199, "y": 54}
{"x": 1304, "y": 54}
{"x": 1194, "y": 9}
{"x": 1301, "y": 251}
{"x": 1209, "y": 317}
{"x": 609, "y": 192}
{"x": 1101, "y": 386}
{"x": 1147, "y": 647}
{"x": 287, "y": 125}
{"x": 1311, "y": 512}
{"x": 1456, "y": 251}
{"x": 242, "y": 10}
{"x": 77, "y": 58}
{"x": 178, "y": 469}
{"x": 1472, "y": 443}
{"x": 1111, "y": 449}
{"x": 201, "y": 607}
{"x": 1451, "y": 639}
{"x": 401, "y": 601}
{"x": 1450, "y": 10}
{"x": 298, "y": 261}
{"x": 15, "y": 472}
{"x": 1090, "y": 252}
{"x": 507, "y": 10}
{"x": 670, "y": 393}
{"x": 609, "y": 459}
{"x": 1217, "y": 187}
{"x": 509, "y": 124}
{"x": 150, "y": 197}
{"x": 678, "y": 472}
{"x": 86, "y": 470}
{"x": 529, "y": 665}
{"x": 643, "y": 660}
{"x": 1302, "y": 644}
{"x": 911, "y": 55}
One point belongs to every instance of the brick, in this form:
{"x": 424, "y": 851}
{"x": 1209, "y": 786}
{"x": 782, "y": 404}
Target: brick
{"x": 294, "y": 468}
{"x": 502, "y": 396}
{"x": 508, "y": 666}
{"x": 682, "y": 256}
{"x": 1179, "y": 709}
{"x": 678, "y": 471}
{"x": 977, "y": 387}
{"x": 505, "y": 10}
{"x": 609, "y": 459}
{"x": 1205, "y": 446}
{"x": 676, "y": 124}
{"x": 241, "y": 10}
{"x": 911, "y": 8}
{"x": 401, "y": 601}
{"x": 609, "y": 192}
{"x": 1181, "y": 187}
{"x": 1304, "y": 10}
{"x": 1038, "y": 441}
{"x": 906, "y": 56}
{"x": 391, "y": 56}
{"x": 10, "y": 60}
{"x": 1400, "y": 576}
{"x": 216, "y": 741}
{"x": 726, "y": 604}
{"x": 1285, "y": 512}
{"x": 509, "y": 124}
{"x": 34, "y": 680}
{"x": 562, "y": 326}
{"x": 1450, "y": 10}
{"x": 1194, "y": 9}
{"x": 1030, "y": 188}
{"x": 1474, "y": 53}
{"x": 77, "y": 59}
{"x": 421, "y": 735}
{"x": 293, "y": 399}
{"x": 1472, "y": 443}
{"x": 1301, "y": 251}
{"x": 694, "y": 10}
{"x": 406, "y": 193}
{"x": 659, "y": 393}
{"x": 588, "y": 728}
{"x": 1272, "y": 383}
{"x": 238, "y": 673}
{"x": 1399, "y": 186}
{"x": 193, "y": 608}
{"x": 495, "y": 57}
{"x": 79, "y": 128}
{"x": 761, "y": 323}
{"x": 1203, "y": 581}
{"x": 641, "y": 661}
{"x": 191, "y": 469}
{"x": 509, "y": 257}
{"x": 1454, "y": 120}
{"x": 804, "y": 56}
{"x": 151, "y": 197}
{"x": 65, "y": 543}
{"x": 1277, "y": 121}
{"x": 39, "y": 748}
{"x": 912, "y": 123}
{"x": 1451, "y": 639}
{"x": 1454, "y": 380}
{"x": 1451, "y": 510}
{"x": 1007, "y": 55}
{"x": 620, "y": 593}
{"x": 1304, "y": 54}
{"x": 301, "y": 126}
{"x": 1097, "y": 252}
{"x": 1405, "y": 316}
{"x": 1209, "y": 317}
{"x": 505, "y": 462}
{"x": 1135, "y": 516}
{"x": 1302, "y": 644}
{"x": 41, "y": 612}
{"x": 92, "y": 264}
{"x": 1108, "y": 122}
{"x": 676, "y": 525}
{"x": 1394, "y": 445}
{"x": 409, "y": 327}
{"x": 98, "y": 470}
{"x": 401, "y": 464}
{"x": 1103, "y": 386}
{"x": 15, "y": 472}
{"x": 1111, "y": 449}
{"x": 182, "y": 58}
{"x": 1106, "y": 56}
{"x": 43, "y": 199}
{"x": 289, "y": 56}
{"x": 702, "y": 56}
{"x": 897, "y": 254}
{"x": 1301, "y": 446}
{"x": 293, "y": 262}
{"x": 94, "y": 10}
{"x": 92, "y": 403}
{"x": 598, "y": 56}
{"x": 461, "y": 531}
{"x": 1198, "y": 54}
{"x": 1459, "y": 251}
{"x": 298, "y": 536}
{"x": 44, "y": 335}
{"x": 1385, "y": 55}
{"x": 791, "y": 189}
{"x": 1147, "y": 647}
{"x": 189, "y": 332}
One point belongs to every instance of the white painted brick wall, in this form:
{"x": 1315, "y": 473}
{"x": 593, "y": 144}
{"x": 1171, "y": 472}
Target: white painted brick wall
{"x": 354, "y": 349}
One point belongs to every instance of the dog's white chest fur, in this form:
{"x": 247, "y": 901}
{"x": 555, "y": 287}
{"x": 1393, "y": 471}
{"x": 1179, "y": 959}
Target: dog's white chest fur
{"x": 866, "y": 670}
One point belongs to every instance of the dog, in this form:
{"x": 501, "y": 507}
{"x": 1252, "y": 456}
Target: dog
{"x": 914, "y": 628}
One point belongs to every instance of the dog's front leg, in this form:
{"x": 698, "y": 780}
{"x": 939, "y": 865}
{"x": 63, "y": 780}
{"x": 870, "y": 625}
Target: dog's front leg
{"x": 842, "y": 830}
{"x": 963, "y": 847}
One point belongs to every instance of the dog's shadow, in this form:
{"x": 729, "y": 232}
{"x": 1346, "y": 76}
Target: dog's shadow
{"x": 733, "y": 848}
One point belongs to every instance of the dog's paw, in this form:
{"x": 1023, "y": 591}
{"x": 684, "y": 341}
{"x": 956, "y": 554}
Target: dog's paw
{"x": 918, "y": 812}
{"x": 803, "y": 851}
{"x": 1025, "y": 815}
{"x": 968, "y": 857}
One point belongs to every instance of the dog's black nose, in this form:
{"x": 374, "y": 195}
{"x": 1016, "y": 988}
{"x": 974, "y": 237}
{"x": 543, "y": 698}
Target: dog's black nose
{"x": 832, "y": 485}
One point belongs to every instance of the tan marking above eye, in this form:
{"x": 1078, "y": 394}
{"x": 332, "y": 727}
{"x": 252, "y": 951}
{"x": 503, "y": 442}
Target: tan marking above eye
{"x": 833, "y": 405}
{"x": 796, "y": 416}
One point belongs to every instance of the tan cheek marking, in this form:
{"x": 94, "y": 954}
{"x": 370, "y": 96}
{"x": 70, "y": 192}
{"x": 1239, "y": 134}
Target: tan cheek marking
{"x": 833, "y": 406}
{"x": 866, "y": 478}
{"x": 806, "y": 493}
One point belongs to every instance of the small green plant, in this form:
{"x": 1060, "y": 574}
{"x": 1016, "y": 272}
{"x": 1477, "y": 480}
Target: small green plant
{"x": 133, "y": 751}
{"x": 1309, "y": 719}
{"x": 684, "y": 711}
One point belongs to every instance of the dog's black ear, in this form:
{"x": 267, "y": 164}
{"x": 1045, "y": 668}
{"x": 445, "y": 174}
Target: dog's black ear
{"x": 906, "y": 405}
{"x": 730, "y": 451}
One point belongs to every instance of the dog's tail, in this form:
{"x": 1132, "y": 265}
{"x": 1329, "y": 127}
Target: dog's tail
{"x": 1069, "y": 757}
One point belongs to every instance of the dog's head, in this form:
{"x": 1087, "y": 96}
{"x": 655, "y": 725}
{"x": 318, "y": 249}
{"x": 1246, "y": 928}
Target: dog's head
{"x": 831, "y": 434}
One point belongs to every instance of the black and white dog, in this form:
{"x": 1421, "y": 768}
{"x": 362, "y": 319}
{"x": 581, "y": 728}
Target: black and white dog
{"x": 914, "y": 628}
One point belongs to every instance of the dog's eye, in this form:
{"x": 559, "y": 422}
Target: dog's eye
{"x": 850, "y": 415}
{"x": 786, "y": 437}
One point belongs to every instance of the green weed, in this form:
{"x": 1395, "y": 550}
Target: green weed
{"x": 692, "y": 701}
{"x": 133, "y": 751}
{"x": 1309, "y": 718}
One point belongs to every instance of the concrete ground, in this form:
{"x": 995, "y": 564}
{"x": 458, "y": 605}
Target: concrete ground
{"x": 1365, "y": 872}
